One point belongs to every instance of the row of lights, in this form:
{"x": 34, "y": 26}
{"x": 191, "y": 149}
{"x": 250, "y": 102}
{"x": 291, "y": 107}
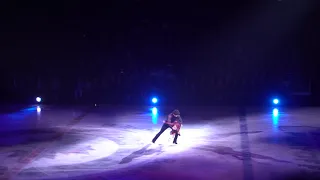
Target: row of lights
{"x": 275, "y": 111}
{"x": 154, "y": 110}
{"x": 154, "y": 100}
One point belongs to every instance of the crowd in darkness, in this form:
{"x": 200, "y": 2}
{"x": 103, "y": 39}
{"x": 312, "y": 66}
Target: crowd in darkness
{"x": 136, "y": 86}
{"x": 212, "y": 54}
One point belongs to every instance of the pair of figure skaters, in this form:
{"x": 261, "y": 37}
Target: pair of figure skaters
{"x": 174, "y": 122}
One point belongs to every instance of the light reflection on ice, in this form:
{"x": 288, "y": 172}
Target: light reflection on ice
{"x": 99, "y": 148}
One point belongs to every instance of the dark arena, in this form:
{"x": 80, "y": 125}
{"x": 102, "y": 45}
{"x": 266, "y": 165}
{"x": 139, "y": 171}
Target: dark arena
{"x": 155, "y": 90}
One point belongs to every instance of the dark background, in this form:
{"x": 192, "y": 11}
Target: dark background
{"x": 184, "y": 52}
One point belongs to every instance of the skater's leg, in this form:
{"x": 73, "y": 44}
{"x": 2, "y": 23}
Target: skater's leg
{"x": 175, "y": 137}
{"x": 163, "y": 128}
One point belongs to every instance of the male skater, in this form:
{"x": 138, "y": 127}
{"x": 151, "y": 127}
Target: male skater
{"x": 173, "y": 118}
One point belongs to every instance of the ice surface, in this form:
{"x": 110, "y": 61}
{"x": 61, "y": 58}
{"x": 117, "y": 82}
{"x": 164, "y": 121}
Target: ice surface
{"x": 115, "y": 143}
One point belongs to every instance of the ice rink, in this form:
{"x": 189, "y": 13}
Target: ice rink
{"x": 108, "y": 142}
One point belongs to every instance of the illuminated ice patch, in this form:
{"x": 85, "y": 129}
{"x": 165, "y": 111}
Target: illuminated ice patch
{"x": 99, "y": 148}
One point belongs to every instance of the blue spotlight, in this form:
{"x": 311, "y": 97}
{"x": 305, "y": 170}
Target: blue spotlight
{"x": 154, "y": 100}
{"x": 275, "y": 112}
{"x": 154, "y": 111}
{"x": 154, "y": 115}
{"x": 38, "y": 99}
{"x": 275, "y": 118}
{"x": 275, "y": 101}
{"x": 38, "y": 109}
